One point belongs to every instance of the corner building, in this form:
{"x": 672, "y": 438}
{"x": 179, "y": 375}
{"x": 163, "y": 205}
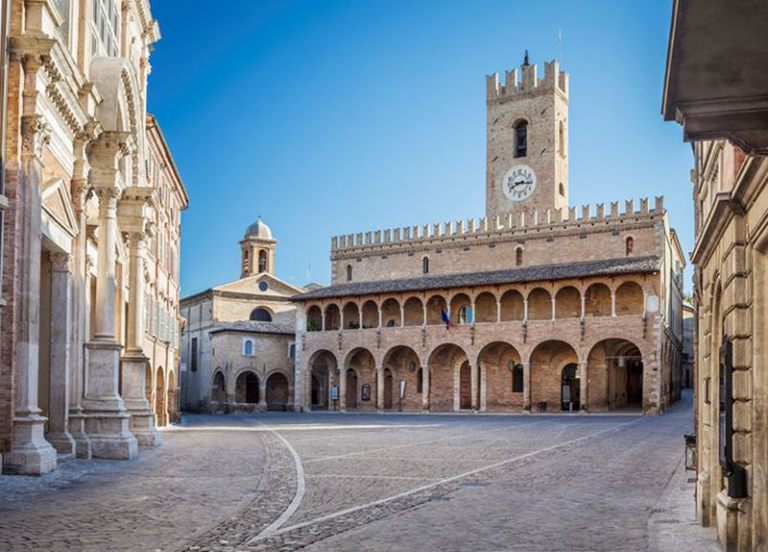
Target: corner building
{"x": 726, "y": 122}
{"x": 537, "y": 306}
{"x": 90, "y": 204}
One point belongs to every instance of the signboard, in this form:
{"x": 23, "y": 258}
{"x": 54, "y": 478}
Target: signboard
{"x": 365, "y": 392}
{"x": 334, "y": 392}
{"x": 402, "y": 389}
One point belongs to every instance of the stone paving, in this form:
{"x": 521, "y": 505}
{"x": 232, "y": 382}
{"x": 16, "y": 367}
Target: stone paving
{"x": 368, "y": 482}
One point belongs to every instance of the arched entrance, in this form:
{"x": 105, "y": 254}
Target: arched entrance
{"x": 500, "y": 366}
{"x": 570, "y": 388}
{"x": 219, "y": 391}
{"x": 247, "y": 388}
{"x": 351, "y": 388}
{"x": 277, "y": 392}
{"x": 548, "y": 362}
{"x": 360, "y": 384}
{"x": 444, "y": 363}
{"x": 160, "y": 412}
{"x": 389, "y": 381}
{"x": 465, "y": 387}
{"x": 403, "y": 364}
{"x": 322, "y": 366}
{"x": 173, "y": 410}
{"x": 616, "y": 375}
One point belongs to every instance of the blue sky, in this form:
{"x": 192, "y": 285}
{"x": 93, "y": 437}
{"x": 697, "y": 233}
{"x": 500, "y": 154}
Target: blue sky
{"x": 337, "y": 117}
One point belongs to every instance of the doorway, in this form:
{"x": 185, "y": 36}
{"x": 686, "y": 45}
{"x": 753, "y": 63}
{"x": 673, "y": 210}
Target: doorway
{"x": 388, "y": 382}
{"x": 570, "y": 388}
{"x": 465, "y": 387}
{"x": 351, "y": 389}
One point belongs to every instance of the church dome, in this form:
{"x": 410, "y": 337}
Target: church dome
{"x": 259, "y": 230}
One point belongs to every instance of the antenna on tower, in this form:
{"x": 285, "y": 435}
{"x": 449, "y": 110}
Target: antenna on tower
{"x": 525, "y": 60}
{"x": 560, "y": 44}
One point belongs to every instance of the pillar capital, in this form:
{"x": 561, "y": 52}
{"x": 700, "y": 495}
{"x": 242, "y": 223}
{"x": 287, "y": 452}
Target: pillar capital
{"x": 35, "y": 133}
{"x": 60, "y": 262}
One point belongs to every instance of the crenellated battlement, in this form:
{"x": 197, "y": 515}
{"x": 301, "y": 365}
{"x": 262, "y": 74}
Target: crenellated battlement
{"x": 530, "y": 83}
{"x": 571, "y": 218}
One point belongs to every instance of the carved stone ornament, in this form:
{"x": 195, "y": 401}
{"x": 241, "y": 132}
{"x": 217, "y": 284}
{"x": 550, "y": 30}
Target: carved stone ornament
{"x": 35, "y": 133}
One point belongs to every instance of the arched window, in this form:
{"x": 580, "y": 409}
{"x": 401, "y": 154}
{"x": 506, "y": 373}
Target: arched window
{"x": 561, "y": 189}
{"x": 260, "y": 314}
{"x": 561, "y": 140}
{"x": 420, "y": 380}
{"x": 425, "y": 265}
{"x": 519, "y": 256}
{"x": 517, "y": 377}
{"x": 248, "y": 347}
{"x": 263, "y": 267}
{"x": 521, "y": 139}
{"x": 630, "y": 246}
{"x": 466, "y": 316}
{"x": 349, "y": 273}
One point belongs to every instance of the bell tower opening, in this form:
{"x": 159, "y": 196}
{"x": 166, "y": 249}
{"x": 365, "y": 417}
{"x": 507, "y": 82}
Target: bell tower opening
{"x": 257, "y": 250}
{"x": 527, "y": 141}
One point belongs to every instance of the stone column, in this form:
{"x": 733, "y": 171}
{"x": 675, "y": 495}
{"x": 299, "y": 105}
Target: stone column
{"x": 262, "y": 398}
{"x": 425, "y": 388}
{"x": 134, "y": 362}
{"x": 380, "y": 388}
{"x": 527, "y": 386}
{"x": 343, "y": 390}
{"x": 475, "y": 385}
{"x": 61, "y": 328}
{"x": 613, "y": 302}
{"x": 107, "y": 421}
{"x": 554, "y": 308}
{"x": 81, "y": 294}
{"x": 584, "y": 385}
{"x": 30, "y": 453}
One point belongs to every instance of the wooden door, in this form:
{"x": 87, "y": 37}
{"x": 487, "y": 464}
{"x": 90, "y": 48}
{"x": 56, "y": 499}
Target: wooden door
{"x": 465, "y": 387}
{"x": 351, "y": 389}
{"x": 388, "y": 381}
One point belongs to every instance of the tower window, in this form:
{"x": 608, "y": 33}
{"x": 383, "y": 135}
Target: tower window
{"x": 425, "y": 265}
{"x": 263, "y": 261}
{"x": 521, "y": 139}
{"x": 519, "y": 256}
{"x": 630, "y": 246}
{"x": 561, "y": 140}
{"x": 561, "y": 189}
{"x": 349, "y": 273}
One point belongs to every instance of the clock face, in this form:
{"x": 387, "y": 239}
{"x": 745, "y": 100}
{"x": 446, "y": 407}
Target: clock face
{"x": 519, "y": 183}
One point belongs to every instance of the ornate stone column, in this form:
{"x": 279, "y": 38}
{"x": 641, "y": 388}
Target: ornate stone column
{"x": 527, "y": 386}
{"x": 380, "y": 388}
{"x": 61, "y": 330}
{"x": 133, "y": 210}
{"x": 30, "y": 453}
{"x": 107, "y": 421}
{"x": 80, "y": 292}
{"x": 425, "y": 388}
{"x": 584, "y": 385}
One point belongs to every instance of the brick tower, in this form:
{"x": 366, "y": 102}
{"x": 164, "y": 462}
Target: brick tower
{"x": 527, "y": 143}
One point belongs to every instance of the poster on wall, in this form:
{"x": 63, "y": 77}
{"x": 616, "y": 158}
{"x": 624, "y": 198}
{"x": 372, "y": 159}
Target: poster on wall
{"x": 365, "y": 392}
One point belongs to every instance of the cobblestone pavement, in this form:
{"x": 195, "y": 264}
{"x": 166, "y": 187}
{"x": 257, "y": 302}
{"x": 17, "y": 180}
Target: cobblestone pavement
{"x": 368, "y": 482}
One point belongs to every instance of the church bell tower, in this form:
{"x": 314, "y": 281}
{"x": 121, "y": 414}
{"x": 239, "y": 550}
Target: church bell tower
{"x": 527, "y": 141}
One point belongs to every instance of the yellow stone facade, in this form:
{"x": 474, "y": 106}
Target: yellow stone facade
{"x": 90, "y": 242}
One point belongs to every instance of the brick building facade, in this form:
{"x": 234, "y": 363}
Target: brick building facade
{"x": 536, "y": 306}
{"x": 91, "y": 191}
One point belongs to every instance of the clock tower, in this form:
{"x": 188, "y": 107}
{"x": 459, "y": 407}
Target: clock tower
{"x": 527, "y": 141}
